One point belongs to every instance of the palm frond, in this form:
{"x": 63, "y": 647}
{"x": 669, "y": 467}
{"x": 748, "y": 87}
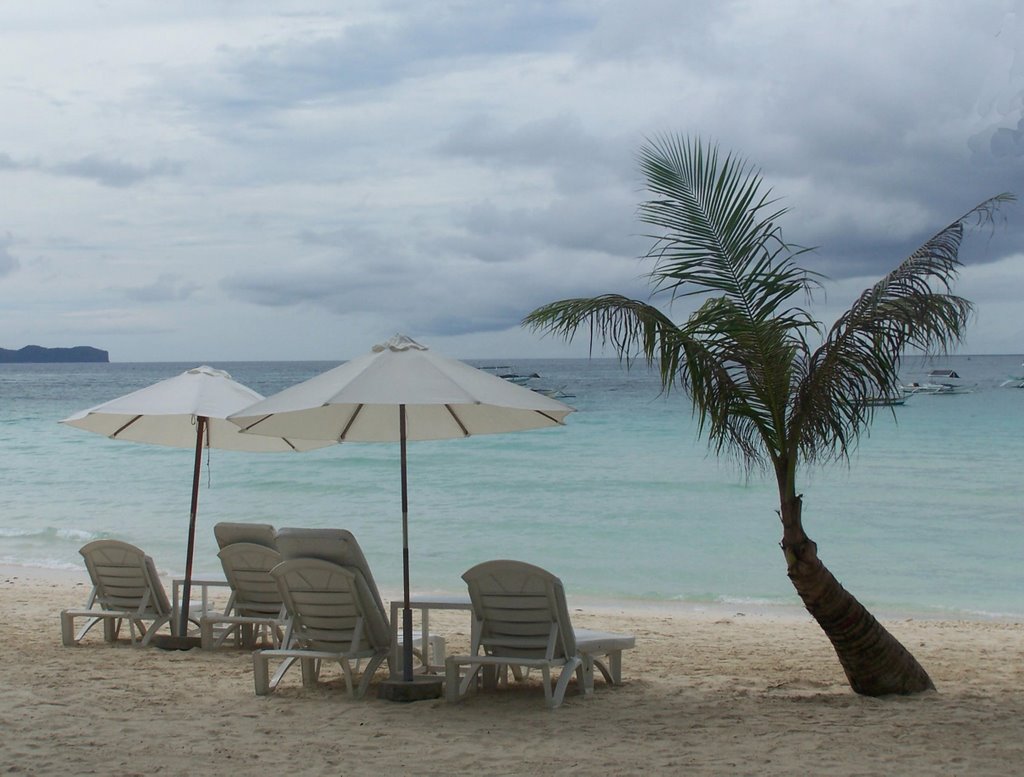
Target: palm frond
{"x": 631, "y": 327}
{"x": 719, "y": 230}
{"x": 706, "y": 363}
{"x": 911, "y": 307}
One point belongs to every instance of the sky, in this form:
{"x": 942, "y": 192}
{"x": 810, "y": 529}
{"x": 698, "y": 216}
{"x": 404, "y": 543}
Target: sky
{"x": 222, "y": 180}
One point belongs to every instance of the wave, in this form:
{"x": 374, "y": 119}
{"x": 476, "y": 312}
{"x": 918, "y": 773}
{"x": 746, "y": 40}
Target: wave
{"x": 53, "y": 533}
{"x": 38, "y": 563}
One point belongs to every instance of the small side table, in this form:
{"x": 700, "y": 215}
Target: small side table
{"x": 204, "y": 585}
{"x": 424, "y": 604}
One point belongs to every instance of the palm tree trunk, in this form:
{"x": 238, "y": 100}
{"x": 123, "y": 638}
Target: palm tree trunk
{"x": 875, "y": 662}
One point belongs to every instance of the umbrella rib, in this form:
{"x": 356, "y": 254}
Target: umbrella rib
{"x": 125, "y": 426}
{"x": 351, "y": 420}
{"x": 257, "y": 423}
{"x": 551, "y": 418}
{"x": 465, "y": 431}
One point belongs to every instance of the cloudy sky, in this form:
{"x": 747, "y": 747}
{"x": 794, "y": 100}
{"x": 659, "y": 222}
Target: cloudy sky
{"x": 206, "y": 180}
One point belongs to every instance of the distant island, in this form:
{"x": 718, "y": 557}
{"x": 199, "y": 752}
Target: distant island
{"x": 36, "y": 354}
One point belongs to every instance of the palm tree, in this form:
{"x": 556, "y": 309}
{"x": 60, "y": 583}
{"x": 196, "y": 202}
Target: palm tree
{"x": 747, "y": 356}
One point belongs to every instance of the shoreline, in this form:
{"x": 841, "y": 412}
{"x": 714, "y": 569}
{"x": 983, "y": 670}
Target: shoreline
{"x": 621, "y": 605}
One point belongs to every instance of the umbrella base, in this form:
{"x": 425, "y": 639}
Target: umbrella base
{"x": 167, "y": 642}
{"x": 420, "y": 688}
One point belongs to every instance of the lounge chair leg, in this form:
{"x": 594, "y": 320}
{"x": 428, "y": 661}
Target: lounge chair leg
{"x": 452, "y": 679}
{"x": 371, "y": 668}
{"x": 67, "y": 629}
{"x": 205, "y": 634}
{"x": 89, "y": 623}
{"x": 310, "y": 671}
{"x": 248, "y": 640}
{"x": 555, "y": 699}
{"x": 261, "y": 673}
{"x": 490, "y": 677}
{"x": 346, "y": 670}
{"x": 585, "y": 675}
{"x": 284, "y": 667}
{"x": 614, "y": 672}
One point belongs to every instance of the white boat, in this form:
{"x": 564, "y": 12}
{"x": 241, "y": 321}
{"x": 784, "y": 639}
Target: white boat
{"x": 553, "y": 393}
{"x": 934, "y": 388}
{"x": 1014, "y": 382}
{"x": 939, "y": 382}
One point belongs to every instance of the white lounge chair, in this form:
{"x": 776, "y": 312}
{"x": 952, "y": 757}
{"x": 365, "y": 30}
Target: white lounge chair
{"x": 125, "y": 588}
{"x": 256, "y": 533}
{"x": 339, "y": 546}
{"x": 255, "y": 608}
{"x": 523, "y": 622}
{"x": 333, "y": 618}
{"x": 335, "y": 545}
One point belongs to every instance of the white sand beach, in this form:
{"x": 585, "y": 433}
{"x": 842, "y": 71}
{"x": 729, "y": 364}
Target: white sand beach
{"x": 705, "y": 694}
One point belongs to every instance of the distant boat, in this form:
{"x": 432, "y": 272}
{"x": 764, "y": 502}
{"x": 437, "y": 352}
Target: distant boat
{"x": 885, "y": 401}
{"x": 934, "y": 388}
{"x": 553, "y": 393}
{"x": 1017, "y": 382}
{"x": 939, "y": 382}
{"x": 526, "y": 379}
{"x": 507, "y": 373}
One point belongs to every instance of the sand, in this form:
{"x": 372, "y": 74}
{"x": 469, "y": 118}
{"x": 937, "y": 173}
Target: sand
{"x": 723, "y": 693}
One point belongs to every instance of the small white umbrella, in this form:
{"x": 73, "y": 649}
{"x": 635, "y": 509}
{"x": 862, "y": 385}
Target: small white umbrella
{"x": 401, "y": 391}
{"x": 189, "y": 410}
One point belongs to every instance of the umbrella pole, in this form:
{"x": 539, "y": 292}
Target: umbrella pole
{"x": 407, "y": 610}
{"x": 186, "y": 594}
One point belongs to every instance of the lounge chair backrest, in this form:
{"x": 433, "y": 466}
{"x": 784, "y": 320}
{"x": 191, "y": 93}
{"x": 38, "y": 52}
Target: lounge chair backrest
{"x": 256, "y": 533}
{"x": 335, "y": 545}
{"x": 125, "y": 578}
{"x": 326, "y": 602}
{"x": 247, "y": 569}
{"x": 520, "y": 608}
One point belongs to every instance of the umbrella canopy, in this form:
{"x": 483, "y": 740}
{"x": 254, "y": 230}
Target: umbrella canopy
{"x": 165, "y": 413}
{"x": 187, "y": 411}
{"x": 401, "y": 391}
{"x": 444, "y": 398}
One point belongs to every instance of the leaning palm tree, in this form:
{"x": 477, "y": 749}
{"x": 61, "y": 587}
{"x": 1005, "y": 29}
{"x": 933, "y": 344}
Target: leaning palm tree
{"x": 768, "y": 382}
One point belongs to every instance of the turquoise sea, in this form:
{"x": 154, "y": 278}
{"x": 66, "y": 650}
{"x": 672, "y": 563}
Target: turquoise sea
{"x": 624, "y": 503}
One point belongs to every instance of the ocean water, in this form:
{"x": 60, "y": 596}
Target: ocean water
{"x": 625, "y": 503}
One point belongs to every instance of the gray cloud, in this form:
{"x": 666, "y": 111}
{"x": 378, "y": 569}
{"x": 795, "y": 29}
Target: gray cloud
{"x": 401, "y": 41}
{"x": 7, "y": 163}
{"x": 113, "y": 172}
{"x": 104, "y": 171}
{"x": 166, "y": 288}
{"x": 8, "y": 262}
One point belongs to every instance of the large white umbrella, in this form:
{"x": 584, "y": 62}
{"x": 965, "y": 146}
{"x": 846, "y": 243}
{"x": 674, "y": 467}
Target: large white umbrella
{"x": 401, "y": 391}
{"x": 186, "y": 411}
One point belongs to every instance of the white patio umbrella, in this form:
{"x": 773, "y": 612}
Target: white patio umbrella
{"x": 401, "y": 391}
{"x": 187, "y": 411}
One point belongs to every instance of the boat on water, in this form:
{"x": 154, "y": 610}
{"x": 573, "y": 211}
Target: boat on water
{"x": 938, "y": 382}
{"x": 886, "y": 401}
{"x": 508, "y": 373}
{"x": 526, "y": 379}
{"x": 1017, "y": 382}
{"x": 553, "y": 393}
